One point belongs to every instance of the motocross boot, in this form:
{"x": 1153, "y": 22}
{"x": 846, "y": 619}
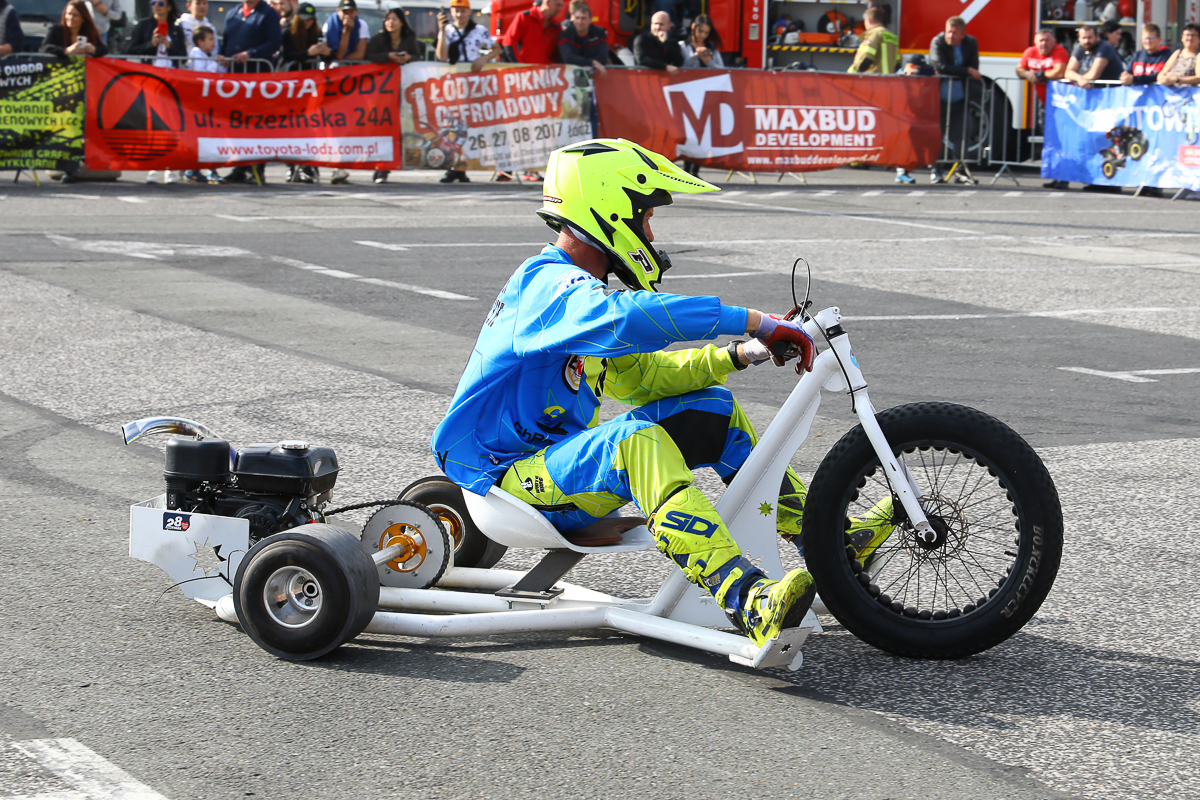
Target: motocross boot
{"x": 772, "y": 606}
{"x": 867, "y": 533}
{"x": 687, "y": 530}
{"x": 872, "y": 529}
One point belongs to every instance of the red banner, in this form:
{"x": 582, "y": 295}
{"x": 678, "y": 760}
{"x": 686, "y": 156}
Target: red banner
{"x": 773, "y": 121}
{"x": 143, "y": 117}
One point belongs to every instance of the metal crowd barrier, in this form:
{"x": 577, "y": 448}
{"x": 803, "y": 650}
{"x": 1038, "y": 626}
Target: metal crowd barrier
{"x": 251, "y": 65}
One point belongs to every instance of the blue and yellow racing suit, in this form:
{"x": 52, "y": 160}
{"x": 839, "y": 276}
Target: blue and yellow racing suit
{"x": 524, "y": 416}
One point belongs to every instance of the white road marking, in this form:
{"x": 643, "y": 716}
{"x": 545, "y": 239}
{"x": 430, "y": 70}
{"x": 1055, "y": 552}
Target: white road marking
{"x": 337, "y": 273}
{"x": 878, "y": 220}
{"x": 131, "y": 199}
{"x": 783, "y": 193}
{"x": 714, "y": 275}
{"x": 384, "y": 246}
{"x": 1133, "y": 376}
{"x": 147, "y": 250}
{"x": 918, "y": 193}
{"x": 87, "y": 772}
{"x": 873, "y": 193}
{"x": 825, "y": 193}
{"x": 70, "y": 794}
{"x": 734, "y": 193}
{"x": 1014, "y": 194}
{"x": 75, "y": 196}
{"x": 398, "y": 247}
{"x": 1056, "y": 194}
{"x": 1112, "y": 312}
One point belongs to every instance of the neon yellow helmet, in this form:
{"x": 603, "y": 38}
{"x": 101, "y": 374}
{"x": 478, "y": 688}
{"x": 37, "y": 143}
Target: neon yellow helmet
{"x": 601, "y": 190}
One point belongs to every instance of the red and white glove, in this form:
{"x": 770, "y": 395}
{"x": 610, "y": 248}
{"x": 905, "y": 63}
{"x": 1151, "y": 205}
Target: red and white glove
{"x": 786, "y": 339}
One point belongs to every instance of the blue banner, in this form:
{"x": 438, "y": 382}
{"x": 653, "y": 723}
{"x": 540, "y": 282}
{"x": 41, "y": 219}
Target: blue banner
{"x": 1123, "y": 136}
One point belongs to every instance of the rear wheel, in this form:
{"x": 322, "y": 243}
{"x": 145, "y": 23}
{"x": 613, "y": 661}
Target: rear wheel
{"x": 302, "y": 593}
{"x": 998, "y": 526}
{"x": 444, "y": 499}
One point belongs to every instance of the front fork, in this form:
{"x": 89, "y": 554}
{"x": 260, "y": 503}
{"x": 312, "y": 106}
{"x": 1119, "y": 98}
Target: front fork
{"x": 898, "y": 477}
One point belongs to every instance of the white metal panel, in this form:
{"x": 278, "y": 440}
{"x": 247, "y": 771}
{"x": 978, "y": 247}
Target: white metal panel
{"x": 200, "y": 552}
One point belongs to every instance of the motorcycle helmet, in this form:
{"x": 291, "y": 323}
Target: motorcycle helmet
{"x": 601, "y": 190}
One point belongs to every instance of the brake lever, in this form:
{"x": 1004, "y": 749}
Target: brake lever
{"x": 799, "y": 311}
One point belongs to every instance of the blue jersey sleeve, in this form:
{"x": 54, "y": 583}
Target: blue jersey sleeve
{"x": 563, "y": 309}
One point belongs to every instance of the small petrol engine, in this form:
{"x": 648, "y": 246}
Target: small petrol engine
{"x": 273, "y": 486}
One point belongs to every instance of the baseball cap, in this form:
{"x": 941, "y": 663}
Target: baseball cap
{"x": 460, "y": 3}
{"x": 306, "y": 11}
{"x": 347, "y": 5}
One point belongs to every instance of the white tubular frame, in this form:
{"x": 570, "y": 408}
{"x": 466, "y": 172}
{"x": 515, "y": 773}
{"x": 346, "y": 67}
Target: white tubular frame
{"x": 680, "y": 612}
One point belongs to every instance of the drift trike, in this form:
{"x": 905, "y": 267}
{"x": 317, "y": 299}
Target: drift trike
{"x": 975, "y": 549}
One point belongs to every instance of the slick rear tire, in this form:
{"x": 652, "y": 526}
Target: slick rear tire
{"x": 304, "y": 592}
{"x": 444, "y": 498}
{"x": 994, "y": 509}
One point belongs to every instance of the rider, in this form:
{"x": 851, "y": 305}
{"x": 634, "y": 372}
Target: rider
{"x": 558, "y": 339}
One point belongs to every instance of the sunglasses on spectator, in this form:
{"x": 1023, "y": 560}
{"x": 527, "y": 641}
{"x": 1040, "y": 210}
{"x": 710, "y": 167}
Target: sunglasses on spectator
{"x": 158, "y": 2}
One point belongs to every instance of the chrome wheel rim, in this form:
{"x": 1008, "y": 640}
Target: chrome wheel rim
{"x": 292, "y": 596}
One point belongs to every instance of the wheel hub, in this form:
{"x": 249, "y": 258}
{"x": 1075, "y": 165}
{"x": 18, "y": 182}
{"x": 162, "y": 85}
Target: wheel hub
{"x": 409, "y": 536}
{"x": 292, "y": 596}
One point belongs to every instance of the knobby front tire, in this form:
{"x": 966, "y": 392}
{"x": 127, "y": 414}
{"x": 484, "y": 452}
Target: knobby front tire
{"x": 999, "y": 531}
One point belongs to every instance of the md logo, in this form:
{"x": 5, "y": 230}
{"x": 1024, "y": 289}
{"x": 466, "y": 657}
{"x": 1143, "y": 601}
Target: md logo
{"x": 705, "y": 109}
{"x": 679, "y": 521}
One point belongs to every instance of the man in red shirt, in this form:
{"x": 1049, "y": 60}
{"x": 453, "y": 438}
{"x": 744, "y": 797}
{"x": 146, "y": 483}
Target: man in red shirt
{"x": 1045, "y": 61}
{"x": 532, "y": 36}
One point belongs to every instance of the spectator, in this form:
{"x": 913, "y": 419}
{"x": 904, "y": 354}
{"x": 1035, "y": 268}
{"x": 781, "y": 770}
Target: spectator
{"x": 203, "y": 57}
{"x": 159, "y": 35}
{"x": 954, "y": 53}
{"x": 1093, "y": 60}
{"x": 580, "y": 42}
{"x": 1111, "y": 32}
{"x": 63, "y": 37}
{"x": 396, "y": 43}
{"x": 251, "y": 32}
{"x": 303, "y": 46}
{"x": 532, "y": 36}
{"x": 12, "y": 38}
{"x": 347, "y": 37}
{"x": 464, "y": 40}
{"x": 1181, "y": 68}
{"x": 655, "y": 49}
{"x": 879, "y": 50}
{"x": 346, "y": 34}
{"x": 1046, "y": 60}
{"x": 286, "y": 11}
{"x": 702, "y": 47}
{"x": 1149, "y": 61}
{"x": 460, "y": 42}
{"x": 197, "y": 17}
{"x": 103, "y": 15}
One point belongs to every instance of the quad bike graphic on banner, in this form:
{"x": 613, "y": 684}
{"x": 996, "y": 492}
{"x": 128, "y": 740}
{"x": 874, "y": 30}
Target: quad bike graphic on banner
{"x": 505, "y": 117}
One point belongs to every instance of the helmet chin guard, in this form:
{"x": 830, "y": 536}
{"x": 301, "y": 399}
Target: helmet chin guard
{"x": 602, "y": 189}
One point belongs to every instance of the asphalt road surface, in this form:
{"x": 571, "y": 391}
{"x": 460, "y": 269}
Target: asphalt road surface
{"x": 344, "y": 315}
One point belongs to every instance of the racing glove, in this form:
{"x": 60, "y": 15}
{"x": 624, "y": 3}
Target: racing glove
{"x": 786, "y": 339}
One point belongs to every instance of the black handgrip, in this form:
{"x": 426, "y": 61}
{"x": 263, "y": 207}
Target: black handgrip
{"x": 782, "y": 350}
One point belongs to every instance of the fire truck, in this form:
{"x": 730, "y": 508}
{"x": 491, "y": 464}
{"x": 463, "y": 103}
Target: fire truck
{"x": 772, "y": 34}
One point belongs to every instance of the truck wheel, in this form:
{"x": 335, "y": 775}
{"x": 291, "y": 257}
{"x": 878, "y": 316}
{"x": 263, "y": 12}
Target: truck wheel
{"x": 1109, "y": 169}
{"x": 445, "y": 499}
{"x": 304, "y": 592}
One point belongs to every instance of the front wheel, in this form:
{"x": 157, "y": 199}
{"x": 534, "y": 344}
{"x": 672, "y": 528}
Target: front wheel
{"x": 998, "y": 525}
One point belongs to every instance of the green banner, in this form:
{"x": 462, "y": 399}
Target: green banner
{"x": 41, "y": 112}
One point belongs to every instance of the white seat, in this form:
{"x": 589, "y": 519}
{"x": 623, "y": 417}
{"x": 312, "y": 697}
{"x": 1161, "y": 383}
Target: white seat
{"x": 513, "y": 523}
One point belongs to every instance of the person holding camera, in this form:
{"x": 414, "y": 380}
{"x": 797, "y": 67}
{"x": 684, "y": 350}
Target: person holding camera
{"x": 461, "y": 39}
{"x": 74, "y": 34}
